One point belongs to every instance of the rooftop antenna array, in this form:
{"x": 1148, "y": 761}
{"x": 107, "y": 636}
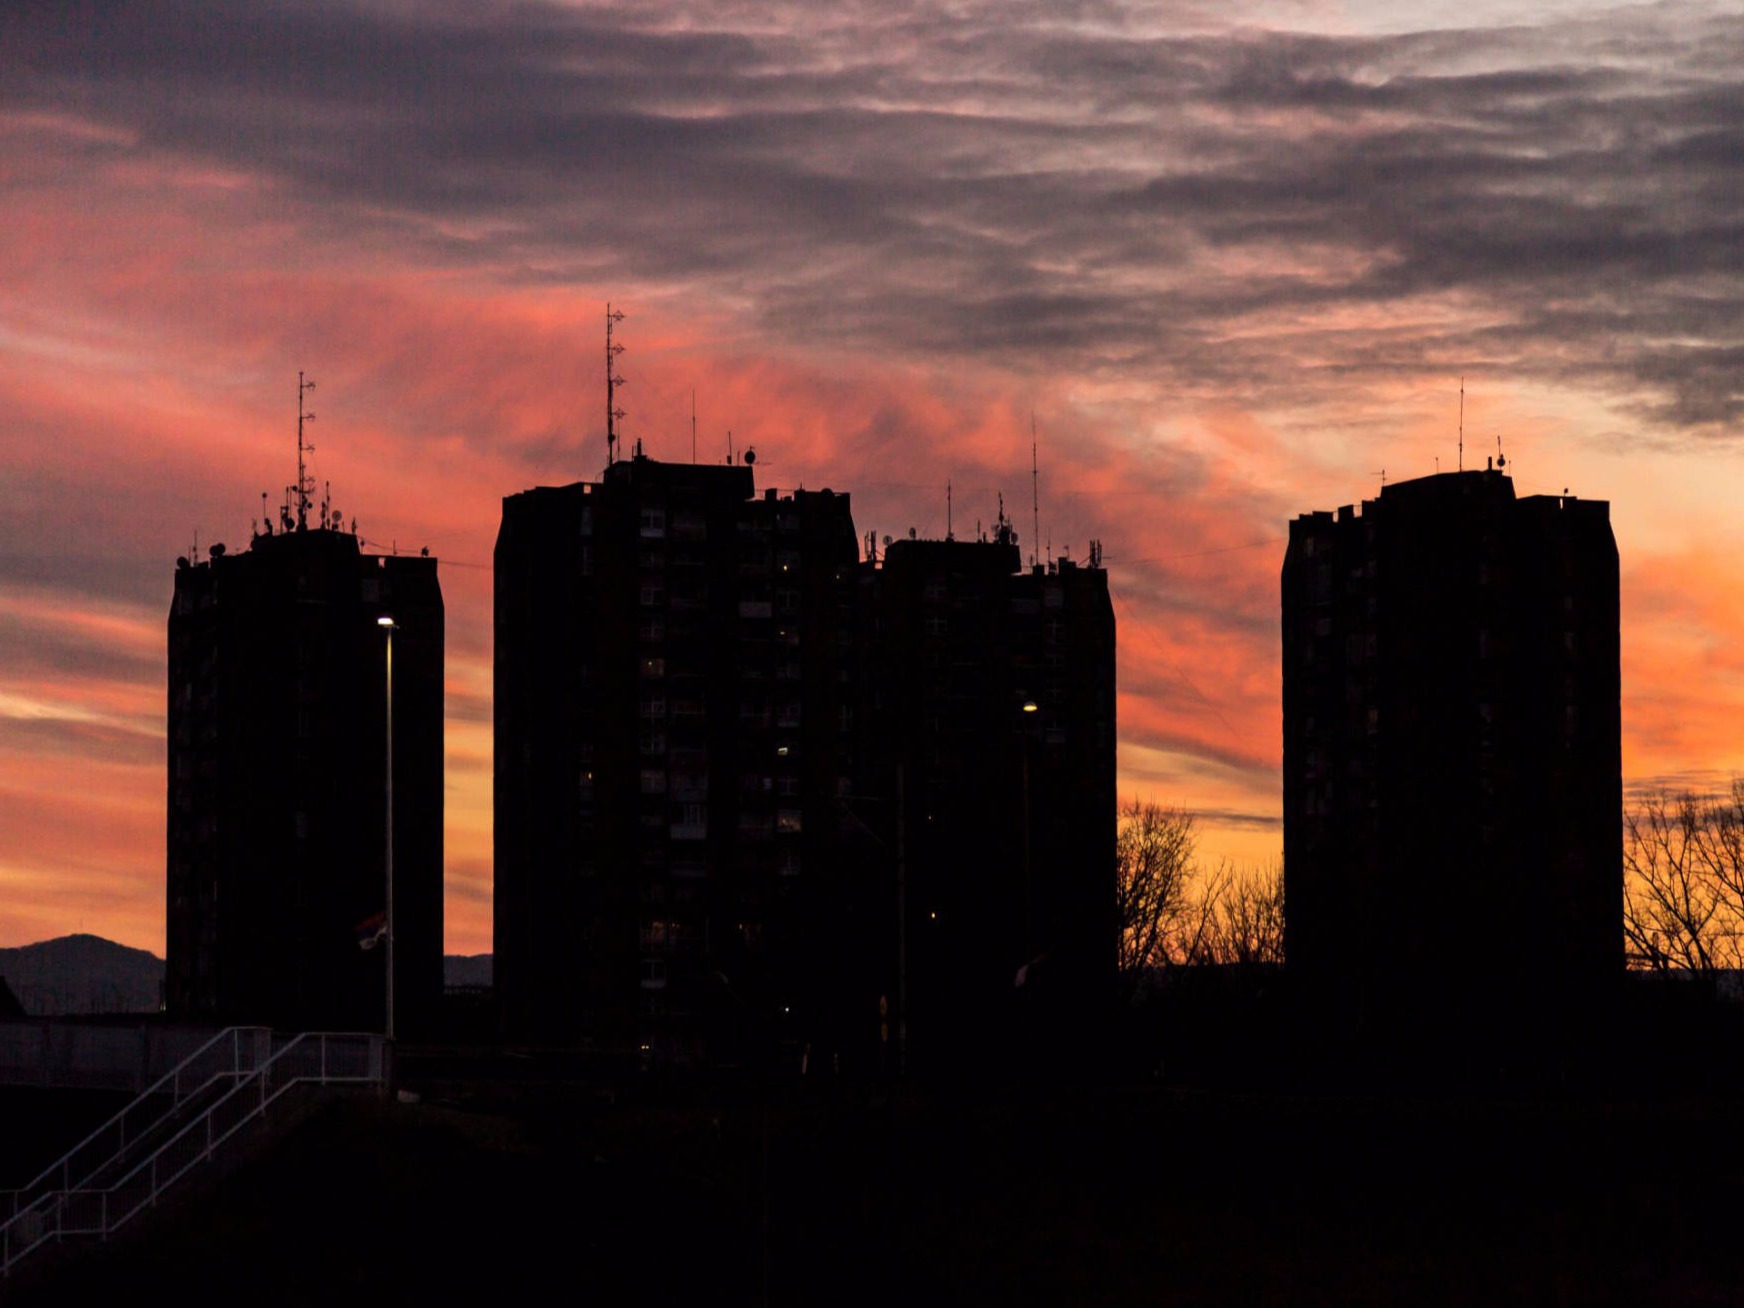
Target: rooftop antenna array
{"x": 1002, "y": 532}
{"x": 1462, "y": 422}
{"x": 1035, "y": 494}
{"x": 1501, "y": 459}
{"x": 613, "y": 381}
{"x": 305, "y": 486}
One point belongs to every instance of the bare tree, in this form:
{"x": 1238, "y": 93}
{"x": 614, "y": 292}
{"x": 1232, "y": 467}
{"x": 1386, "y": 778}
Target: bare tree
{"x": 1683, "y": 881}
{"x": 1245, "y": 917}
{"x": 1159, "y": 922}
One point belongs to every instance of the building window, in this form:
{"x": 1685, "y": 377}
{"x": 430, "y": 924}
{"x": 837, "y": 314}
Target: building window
{"x": 651, "y": 595}
{"x": 653, "y": 524}
{"x": 788, "y": 821}
{"x": 653, "y": 974}
{"x": 692, "y": 823}
{"x": 653, "y": 781}
{"x": 653, "y": 667}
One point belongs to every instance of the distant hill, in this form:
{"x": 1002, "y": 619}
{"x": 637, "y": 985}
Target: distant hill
{"x": 83, "y": 974}
{"x": 88, "y": 974}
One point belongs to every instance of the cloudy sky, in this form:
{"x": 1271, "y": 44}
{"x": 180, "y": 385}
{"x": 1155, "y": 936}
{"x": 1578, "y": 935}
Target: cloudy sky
{"x": 1234, "y": 269}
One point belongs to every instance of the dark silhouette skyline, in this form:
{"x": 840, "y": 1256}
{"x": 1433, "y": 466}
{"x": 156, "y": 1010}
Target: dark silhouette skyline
{"x": 277, "y": 767}
{"x": 1452, "y": 771}
{"x": 757, "y": 797}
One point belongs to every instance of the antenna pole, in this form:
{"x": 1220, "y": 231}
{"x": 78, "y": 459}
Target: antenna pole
{"x": 1462, "y": 423}
{"x": 693, "y": 424}
{"x": 1035, "y": 494}
{"x": 948, "y": 533}
{"x": 305, "y": 487}
{"x": 613, "y": 381}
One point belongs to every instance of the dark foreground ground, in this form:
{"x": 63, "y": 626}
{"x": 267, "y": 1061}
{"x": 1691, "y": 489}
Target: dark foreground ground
{"x": 534, "y": 1193}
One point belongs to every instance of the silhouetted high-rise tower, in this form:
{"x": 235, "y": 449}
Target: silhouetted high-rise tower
{"x": 1452, "y": 777}
{"x": 277, "y": 769}
{"x": 671, "y": 737}
{"x": 753, "y": 794}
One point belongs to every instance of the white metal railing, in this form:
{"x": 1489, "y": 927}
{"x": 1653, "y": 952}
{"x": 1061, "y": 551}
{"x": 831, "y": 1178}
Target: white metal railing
{"x": 314, "y": 1058}
{"x": 232, "y": 1053}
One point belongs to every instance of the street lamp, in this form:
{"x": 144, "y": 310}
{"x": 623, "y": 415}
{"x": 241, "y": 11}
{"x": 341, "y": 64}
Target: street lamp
{"x": 389, "y": 626}
{"x": 1029, "y": 707}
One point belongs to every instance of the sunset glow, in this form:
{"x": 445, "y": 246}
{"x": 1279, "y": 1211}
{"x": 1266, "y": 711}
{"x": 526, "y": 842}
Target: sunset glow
{"x": 1232, "y": 272}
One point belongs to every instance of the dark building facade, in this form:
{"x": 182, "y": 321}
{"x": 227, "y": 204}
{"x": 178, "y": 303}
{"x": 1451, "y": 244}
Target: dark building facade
{"x": 751, "y": 792}
{"x": 1452, "y": 770}
{"x": 277, "y": 768}
{"x": 989, "y": 692}
{"x": 673, "y": 729}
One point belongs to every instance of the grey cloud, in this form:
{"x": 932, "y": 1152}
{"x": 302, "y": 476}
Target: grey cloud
{"x": 1004, "y": 183}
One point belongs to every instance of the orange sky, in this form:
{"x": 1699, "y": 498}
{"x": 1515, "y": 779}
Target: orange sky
{"x": 1233, "y": 274}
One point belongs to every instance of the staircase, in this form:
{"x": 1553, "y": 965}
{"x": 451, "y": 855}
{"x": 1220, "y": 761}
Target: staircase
{"x": 126, "y": 1164}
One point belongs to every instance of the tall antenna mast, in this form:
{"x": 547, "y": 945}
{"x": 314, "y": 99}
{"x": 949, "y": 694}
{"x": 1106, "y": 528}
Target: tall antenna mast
{"x": 948, "y": 533}
{"x": 1035, "y": 494}
{"x": 613, "y": 381}
{"x": 693, "y": 424}
{"x": 305, "y": 484}
{"x": 1462, "y": 422}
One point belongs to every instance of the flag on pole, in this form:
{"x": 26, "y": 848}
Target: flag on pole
{"x": 372, "y": 930}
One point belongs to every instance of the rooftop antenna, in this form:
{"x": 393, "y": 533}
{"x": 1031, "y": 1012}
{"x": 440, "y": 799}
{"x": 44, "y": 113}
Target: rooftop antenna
{"x": 729, "y": 444}
{"x": 948, "y": 533}
{"x": 1035, "y": 493}
{"x": 1382, "y": 474}
{"x": 693, "y": 424}
{"x": 1462, "y": 422}
{"x": 613, "y": 381}
{"x": 1501, "y": 459}
{"x": 305, "y": 484}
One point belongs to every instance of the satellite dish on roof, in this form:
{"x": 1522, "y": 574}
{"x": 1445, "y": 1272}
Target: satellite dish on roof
{"x": 750, "y": 454}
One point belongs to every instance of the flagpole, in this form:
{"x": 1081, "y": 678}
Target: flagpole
{"x": 388, "y": 625}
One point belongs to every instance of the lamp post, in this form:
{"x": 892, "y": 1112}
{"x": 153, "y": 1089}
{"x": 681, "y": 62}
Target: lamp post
{"x": 1029, "y": 708}
{"x": 389, "y": 626}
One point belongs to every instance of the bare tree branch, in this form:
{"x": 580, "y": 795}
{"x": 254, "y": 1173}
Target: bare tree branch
{"x": 1683, "y": 881}
{"x": 1175, "y": 913}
